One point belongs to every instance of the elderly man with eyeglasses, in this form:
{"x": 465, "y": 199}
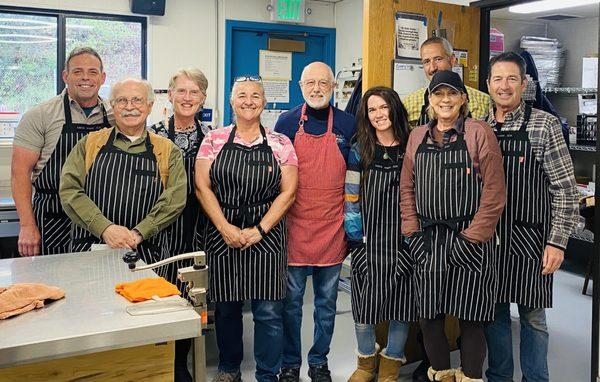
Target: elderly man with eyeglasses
{"x": 123, "y": 185}
{"x": 321, "y": 135}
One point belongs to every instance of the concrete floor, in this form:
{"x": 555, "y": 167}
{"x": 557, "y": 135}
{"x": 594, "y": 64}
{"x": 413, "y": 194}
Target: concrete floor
{"x": 569, "y": 324}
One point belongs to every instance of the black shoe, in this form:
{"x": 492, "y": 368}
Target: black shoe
{"x": 289, "y": 375}
{"x": 319, "y": 373}
{"x": 420, "y": 373}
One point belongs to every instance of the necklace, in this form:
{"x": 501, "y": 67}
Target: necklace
{"x": 386, "y": 155}
{"x": 185, "y": 128}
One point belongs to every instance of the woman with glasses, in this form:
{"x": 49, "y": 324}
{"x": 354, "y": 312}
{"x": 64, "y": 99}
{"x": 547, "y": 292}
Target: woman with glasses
{"x": 381, "y": 266}
{"x": 246, "y": 180}
{"x": 452, "y": 194}
{"x": 187, "y": 93}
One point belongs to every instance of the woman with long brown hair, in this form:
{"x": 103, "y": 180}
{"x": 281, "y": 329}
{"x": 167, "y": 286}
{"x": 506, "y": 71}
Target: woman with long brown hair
{"x": 381, "y": 266}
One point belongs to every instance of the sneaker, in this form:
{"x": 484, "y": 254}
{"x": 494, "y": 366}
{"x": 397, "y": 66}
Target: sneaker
{"x": 289, "y": 374}
{"x": 223, "y": 376}
{"x": 319, "y": 373}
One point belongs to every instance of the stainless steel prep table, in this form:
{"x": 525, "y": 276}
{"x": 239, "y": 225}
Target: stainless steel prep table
{"x": 91, "y": 318}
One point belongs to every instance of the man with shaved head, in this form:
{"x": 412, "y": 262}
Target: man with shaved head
{"x": 123, "y": 185}
{"x": 321, "y": 135}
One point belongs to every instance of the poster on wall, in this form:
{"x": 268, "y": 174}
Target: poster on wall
{"x": 274, "y": 65}
{"x": 411, "y": 32}
{"x": 277, "y": 91}
{"x": 462, "y": 57}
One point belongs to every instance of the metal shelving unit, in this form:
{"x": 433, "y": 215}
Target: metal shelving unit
{"x": 582, "y": 148}
{"x": 570, "y": 90}
{"x": 586, "y": 235}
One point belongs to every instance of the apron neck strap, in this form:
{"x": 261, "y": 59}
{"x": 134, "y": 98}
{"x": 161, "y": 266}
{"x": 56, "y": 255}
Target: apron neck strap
{"x": 69, "y": 118}
{"x": 526, "y": 118}
{"x": 171, "y": 128}
{"x": 113, "y": 134}
{"x": 304, "y": 118}
{"x": 262, "y": 132}
{"x": 67, "y": 106}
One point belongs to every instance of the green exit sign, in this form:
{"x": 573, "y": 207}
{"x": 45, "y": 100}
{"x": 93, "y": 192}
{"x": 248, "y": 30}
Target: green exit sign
{"x": 288, "y": 11}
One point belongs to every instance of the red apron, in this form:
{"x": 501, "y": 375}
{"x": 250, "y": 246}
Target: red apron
{"x": 315, "y": 222}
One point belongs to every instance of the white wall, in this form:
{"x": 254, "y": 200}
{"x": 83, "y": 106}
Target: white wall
{"x": 349, "y": 26}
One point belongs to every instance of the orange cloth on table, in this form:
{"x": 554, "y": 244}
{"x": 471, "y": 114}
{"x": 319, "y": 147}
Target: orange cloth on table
{"x": 21, "y": 298}
{"x": 145, "y": 289}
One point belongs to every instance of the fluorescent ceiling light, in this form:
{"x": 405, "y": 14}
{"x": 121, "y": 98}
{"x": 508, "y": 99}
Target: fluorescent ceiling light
{"x": 549, "y": 5}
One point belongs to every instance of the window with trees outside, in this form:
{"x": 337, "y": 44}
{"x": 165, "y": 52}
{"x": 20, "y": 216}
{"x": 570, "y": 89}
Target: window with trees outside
{"x": 34, "y": 45}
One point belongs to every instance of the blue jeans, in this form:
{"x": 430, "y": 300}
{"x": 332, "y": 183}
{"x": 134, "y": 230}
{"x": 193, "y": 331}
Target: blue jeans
{"x": 325, "y": 286}
{"x": 268, "y": 336}
{"x": 397, "y": 336}
{"x": 533, "y": 350}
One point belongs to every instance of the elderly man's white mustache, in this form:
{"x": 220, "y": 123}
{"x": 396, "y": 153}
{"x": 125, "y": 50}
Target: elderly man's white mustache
{"x": 132, "y": 113}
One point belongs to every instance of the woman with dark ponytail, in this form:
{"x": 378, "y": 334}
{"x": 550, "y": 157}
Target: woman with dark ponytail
{"x": 381, "y": 267}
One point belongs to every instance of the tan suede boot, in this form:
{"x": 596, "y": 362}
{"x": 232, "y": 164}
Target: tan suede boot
{"x": 441, "y": 375}
{"x": 366, "y": 367}
{"x": 389, "y": 368}
{"x": 461, "y": 377}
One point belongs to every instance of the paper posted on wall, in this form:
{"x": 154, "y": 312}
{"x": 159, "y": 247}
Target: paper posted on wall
{"x": 277, "y": 91}
{"x": 274, "y": 65}
{"x": 411, "y": 32}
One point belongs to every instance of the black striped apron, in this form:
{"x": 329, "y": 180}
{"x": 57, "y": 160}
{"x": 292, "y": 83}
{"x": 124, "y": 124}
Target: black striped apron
{"x": 125, "y": 187}
{"x": 525, "y": 224}
{"x": 185, "y": 234}
{"x": 53, "y": 223}
{"x": 452, "y": 275}
{"x": 245, "y": 181}
{"x": 382, "y": 282}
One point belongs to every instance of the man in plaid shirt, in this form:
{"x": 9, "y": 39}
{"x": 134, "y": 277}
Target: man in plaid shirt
{"x": 540, "y": 214}
{"x": 437, "y": 54}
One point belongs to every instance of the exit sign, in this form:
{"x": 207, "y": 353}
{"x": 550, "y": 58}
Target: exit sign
{"x": 288, "y": 11}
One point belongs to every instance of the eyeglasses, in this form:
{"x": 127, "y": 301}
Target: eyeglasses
{"x": 323, "y": 84}
{"x": 248, "y": 78}
{"x": 124, "y": 101}
{"x": 181, "y": 93}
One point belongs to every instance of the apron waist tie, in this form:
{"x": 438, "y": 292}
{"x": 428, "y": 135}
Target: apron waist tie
{"x": 244, "y": 216}
{"x": 427, "y": 225}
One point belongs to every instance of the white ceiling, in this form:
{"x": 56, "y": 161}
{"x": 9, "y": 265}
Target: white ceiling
{"x": 581, "y": 11}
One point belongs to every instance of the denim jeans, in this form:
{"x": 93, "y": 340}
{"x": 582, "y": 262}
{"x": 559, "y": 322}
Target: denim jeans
{"x": 268, "y": 336}
{"x": 325, "y": 286}
{"x": 397, "y": 336}
{"x": 533, "y": 350}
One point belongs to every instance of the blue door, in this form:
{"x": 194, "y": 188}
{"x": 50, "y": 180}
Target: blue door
{"x": 243, "y": 40}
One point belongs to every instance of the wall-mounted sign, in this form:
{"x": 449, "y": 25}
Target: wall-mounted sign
{"x": 288, "y": 11}
{"x": 275, "y": 65}
{"x": 411, "y": 32}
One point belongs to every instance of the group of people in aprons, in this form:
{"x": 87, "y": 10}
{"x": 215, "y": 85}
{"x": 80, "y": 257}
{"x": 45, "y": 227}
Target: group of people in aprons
{"x": 456, "y": 218}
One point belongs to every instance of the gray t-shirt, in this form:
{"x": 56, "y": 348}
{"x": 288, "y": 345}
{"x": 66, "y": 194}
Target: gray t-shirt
{"x": 40, "y": 127}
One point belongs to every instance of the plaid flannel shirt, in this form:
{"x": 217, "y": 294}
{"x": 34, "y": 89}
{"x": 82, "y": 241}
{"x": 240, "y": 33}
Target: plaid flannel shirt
{"x": 545, "y": 134}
